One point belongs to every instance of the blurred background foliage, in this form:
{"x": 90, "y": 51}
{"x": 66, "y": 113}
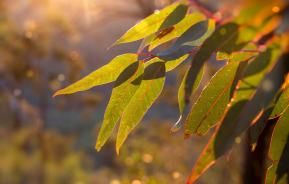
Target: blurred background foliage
{"x": 46, "y": 44}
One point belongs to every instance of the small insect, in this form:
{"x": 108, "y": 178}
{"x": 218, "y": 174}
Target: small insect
{"x": 164, "y": 32}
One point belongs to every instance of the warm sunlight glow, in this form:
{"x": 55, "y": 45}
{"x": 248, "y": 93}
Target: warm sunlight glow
{"x": 276, "y": 9}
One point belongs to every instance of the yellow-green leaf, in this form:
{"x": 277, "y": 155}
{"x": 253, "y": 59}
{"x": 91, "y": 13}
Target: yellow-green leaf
{"x": 211, "y": 104}
{"x": 278, "y": 151}
{"x": 125, "y": 87}
{"x": 281, "y": 103}
{"x": 172, "y": 64}
{"x": 159, "y": 20}
{"x": 182, "y": 89}
{"x": 178, "y": 29}
{"x": 150, "y": 88}
{"x": 224, "y": 137}
{"x": 246, "y": 53}
{"x": 214, "y": 42}
{"x": 191, "y": 38}
{"x": 106, "y": 74}
{"x": 199, "y": 41}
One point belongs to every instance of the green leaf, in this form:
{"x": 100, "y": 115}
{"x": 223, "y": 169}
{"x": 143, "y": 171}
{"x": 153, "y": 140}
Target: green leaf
{"x": 278, "y": 151}
{"x": 194, "y": 36}
{"x": 214, "y": 42}
{"x": 150, "y": 88}
{"x": 106, "y": 74}
{"x": 280, "y": 136}
{"x": 211, "y": 104}
{"x": 182, "y": 89}
{"x": 223, "y": 138}
{"x": 172, "y": 64}
{"x": 177, "y": 30}
{"x": 281, "y": 103}
{"x": 247, "y": 52}
{"x": 159, "y": 20}
{"x": 125, "y": 87}
{"x": 258, "y": 127}
{"x": 181, "y": 97}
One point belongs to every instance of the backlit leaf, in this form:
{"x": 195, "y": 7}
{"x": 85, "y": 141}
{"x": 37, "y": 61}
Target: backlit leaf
{"x": 181, "y": 98}
{"x": 246, "y": 53}
{"x": 281, "y": 104}
{"x": 278, "y": 172}
{"x": 125, "y": 87}
{"x": 159, "y": 20}
{"x": 223, "y": 139}
{"x": 150, "y": 88}
{"x": 106, "y": 74}
{"x": 172, "y": 64}
{"x": 182, "y": 89}
{"x": 214, "y": 42}
{"x": 193, "y": 37}
{"x": 196, "y": 35}
{"x": 211, "y": 104}
{"x": 177, "y": 30}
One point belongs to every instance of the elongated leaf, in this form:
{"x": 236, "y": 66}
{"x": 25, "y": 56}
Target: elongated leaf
{"x": 172, "y": 64}
{"x": 174, "y": 17}
{"x": 278, "y": 152}
{"x": 182, "y": 89}
{"x": 214, "y": 42}
{"x": 159, "y": 20}
{"x": 249, "y": 51}
{"x": 211, "y": 104}
{"x": 125, "y": 87}
{"x": 223, "y": 139}
{"x": 106, "y": 74}
{"x": 193, "y": 37}
{"x": 280, "y": 136}
{"x": 258, "y": 127}
{"x": 281, "y": 104}
{"x": 271, "y": 114}
{"x": 177, "y": 30}
{"x": 150, "y": 88}
{"x": 181, "y": 98}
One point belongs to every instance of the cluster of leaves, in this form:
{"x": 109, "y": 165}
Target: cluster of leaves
{"x": 251, "y": 48}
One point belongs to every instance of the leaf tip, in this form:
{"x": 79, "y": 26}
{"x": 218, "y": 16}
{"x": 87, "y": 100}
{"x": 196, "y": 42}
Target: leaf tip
{"x": 117, "y": 42}
{"x": 119, "y": 142}
{"x": 191, "y": 179}
{"x": 57, "y": 93}
{"x": 117, "y": 148}
{"x": 98, "y": 146}
{"x": 177, "y": 126}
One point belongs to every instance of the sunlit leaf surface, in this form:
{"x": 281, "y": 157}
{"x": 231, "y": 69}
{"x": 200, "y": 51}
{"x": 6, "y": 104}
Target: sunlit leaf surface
{"x": 210, "y": 106}
{"x": 105, "y": 74}
{"x": 190, "y": 39}
{"x": 281, "y": 104}
{"x": 177, "y": 30}
{"x": 278, "y": 152}
{"x": 172, "y": 64}
{"x": 150, "y": 88}
{"x": 125, "y": 87}
{"x": 181, "y": 91}
{"x": 222, "y": 140}
{"x": 159, "y": 20}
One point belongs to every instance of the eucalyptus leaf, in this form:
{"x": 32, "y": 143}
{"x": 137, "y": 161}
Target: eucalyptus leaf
{"x": 150, "y": 88}
{"x": 159, "y": 20}
{"x": 105, "y": 74}
{"x": 125, "y": 87}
